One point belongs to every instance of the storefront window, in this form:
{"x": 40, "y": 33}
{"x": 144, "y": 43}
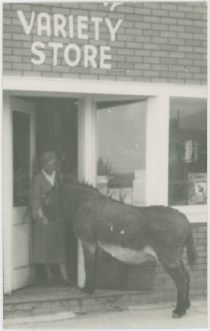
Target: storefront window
{"x": 121, "y": 150}
{"x": 188, "y": 152}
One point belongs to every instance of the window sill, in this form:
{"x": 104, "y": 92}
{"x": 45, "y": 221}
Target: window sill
{"x": 195, "y": 214}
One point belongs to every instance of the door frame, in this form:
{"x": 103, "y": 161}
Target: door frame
{"x": 7, "y": 162}
{"x": 89, "y": 92}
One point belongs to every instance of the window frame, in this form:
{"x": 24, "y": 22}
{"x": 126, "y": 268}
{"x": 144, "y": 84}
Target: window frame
{"x": 158, "y": 94}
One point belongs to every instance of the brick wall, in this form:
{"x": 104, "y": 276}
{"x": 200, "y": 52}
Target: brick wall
{"x": 164, "y": 42}
{"x": 163, "y": 285}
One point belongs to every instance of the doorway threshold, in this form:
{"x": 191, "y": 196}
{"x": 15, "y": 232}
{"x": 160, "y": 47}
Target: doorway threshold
{"x": 39, "y": 300}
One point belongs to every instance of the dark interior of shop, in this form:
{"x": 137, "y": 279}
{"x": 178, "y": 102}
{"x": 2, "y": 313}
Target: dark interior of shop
{"x": 56, "y": 129}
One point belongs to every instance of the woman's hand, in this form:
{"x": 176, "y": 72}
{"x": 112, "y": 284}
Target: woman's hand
{"x": 44, "y": 220}
{"x": 38, "y": 215}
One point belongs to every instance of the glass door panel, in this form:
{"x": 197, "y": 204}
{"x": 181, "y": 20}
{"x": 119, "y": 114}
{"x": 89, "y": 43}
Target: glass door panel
{"x": 21, "y": 158}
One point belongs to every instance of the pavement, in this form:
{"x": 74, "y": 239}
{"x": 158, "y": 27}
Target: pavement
{"x": 135, "y": 317}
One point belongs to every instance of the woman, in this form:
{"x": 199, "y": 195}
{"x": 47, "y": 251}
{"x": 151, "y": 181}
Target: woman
{"x": 48, "y": 234}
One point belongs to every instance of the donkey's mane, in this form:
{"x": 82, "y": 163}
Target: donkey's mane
{"x": 74, "y": 183}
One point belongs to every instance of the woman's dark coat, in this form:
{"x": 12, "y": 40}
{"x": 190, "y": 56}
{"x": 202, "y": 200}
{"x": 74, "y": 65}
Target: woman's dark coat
{"x": 48, "y": 239}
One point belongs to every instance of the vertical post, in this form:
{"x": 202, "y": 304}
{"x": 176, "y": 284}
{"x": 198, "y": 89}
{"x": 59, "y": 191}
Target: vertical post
{"x": 32, "y": 159}
{"x": 86, "y": 158}
{"x": 7, "y": 194}
{"x": 87, "y": 140}
{"x": 157, "y": 150}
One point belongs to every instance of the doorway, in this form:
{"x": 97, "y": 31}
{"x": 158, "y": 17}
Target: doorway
{"x": 56, "y": 130}
{"x": 54, "y": 126}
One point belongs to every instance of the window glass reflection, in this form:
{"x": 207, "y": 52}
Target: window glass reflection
{"x": 121, "y": 151}
{"x": 188, "y": 152}
{"x": 21, "y": 162}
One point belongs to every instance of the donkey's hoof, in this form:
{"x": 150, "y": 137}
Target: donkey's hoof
{"x": 176, "y": 314}
{"x": 188, "y": 305}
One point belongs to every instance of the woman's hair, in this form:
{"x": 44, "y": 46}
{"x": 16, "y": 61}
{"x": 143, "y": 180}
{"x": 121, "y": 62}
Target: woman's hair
{"x": 47, "y": 157}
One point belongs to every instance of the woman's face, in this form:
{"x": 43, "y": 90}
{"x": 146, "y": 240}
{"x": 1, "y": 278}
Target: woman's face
{"x": 49, "y": 167}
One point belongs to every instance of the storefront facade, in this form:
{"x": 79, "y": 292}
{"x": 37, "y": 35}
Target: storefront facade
{"x": 133, "y": 77}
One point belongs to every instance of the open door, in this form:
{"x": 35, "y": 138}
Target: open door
{"x": 23, "y": 152}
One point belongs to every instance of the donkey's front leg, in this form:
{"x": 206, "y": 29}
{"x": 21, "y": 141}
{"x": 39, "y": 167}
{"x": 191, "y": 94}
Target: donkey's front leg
{"x": 90, "y": 256}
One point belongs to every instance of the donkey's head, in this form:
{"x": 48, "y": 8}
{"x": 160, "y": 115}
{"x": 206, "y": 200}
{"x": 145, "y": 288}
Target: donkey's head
{"x": 73, "y": 194}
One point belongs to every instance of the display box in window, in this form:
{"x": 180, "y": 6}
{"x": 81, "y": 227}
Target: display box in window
{"x": 139, "y": 188}
{"x": 126, "y": 195}
{"x": 197, "y": 188}
{"x": 114, "y": 193}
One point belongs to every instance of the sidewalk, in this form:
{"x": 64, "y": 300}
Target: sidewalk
{"x": 135, "y": 317}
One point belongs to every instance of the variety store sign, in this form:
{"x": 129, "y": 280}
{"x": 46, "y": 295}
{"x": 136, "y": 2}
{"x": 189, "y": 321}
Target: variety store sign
{"x": 58, "y": 26}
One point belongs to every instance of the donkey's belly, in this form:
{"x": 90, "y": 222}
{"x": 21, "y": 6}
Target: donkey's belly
{"x": 129, "y": 255}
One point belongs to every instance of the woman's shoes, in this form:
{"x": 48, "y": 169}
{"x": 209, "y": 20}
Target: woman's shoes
{"x": 50, "y": 282}
{"x": 65, "y": 282}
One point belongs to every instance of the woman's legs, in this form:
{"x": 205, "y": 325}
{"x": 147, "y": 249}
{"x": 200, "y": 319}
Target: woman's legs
{"x": 63, "y": 271}
{"x": 62, "y": 268}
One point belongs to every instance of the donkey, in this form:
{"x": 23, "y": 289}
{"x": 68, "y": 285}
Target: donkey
{"x": 128, "y": 233}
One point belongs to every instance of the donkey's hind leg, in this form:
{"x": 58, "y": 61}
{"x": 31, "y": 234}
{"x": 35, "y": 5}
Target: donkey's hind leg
{"x": 187, "y": 277}
{"x": 181, "y": 281}
{"x": 90, "y": 256}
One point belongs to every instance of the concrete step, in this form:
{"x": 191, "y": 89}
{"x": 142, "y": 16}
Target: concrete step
{"x": 43, "y": 301}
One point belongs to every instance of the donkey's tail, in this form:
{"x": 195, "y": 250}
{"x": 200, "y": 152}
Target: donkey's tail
{"x": 191, "y": 252}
